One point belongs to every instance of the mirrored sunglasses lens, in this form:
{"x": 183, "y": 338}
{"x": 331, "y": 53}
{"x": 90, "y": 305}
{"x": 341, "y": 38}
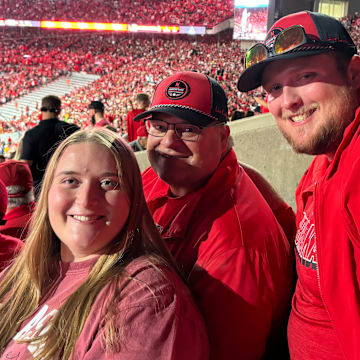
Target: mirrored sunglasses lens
{"x": 256, "y": 54}
{"x": 289, "y": 39}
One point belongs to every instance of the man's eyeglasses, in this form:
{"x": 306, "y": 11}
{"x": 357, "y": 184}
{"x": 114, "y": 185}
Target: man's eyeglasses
{"x": 186, "y": 132}
{"x": 287, "y": 40}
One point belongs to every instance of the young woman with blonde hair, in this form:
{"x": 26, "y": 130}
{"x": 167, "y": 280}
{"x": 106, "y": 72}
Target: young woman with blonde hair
{"x": 94, "y": 280}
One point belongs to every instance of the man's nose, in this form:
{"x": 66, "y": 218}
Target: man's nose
{"x": 291, "y": 99}
{"x": 171, "y": 136}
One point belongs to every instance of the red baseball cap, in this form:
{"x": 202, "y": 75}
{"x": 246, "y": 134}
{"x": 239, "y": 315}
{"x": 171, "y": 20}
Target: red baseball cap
{"x": 14, "y": 172}
{"x": 190, "y": 96}
{"x": 328, "y": 31}
{"x": 3, "y": 199}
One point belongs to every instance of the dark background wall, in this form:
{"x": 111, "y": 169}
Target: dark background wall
{"x": 279, "y": 8}
{"x": 354, "y": 6}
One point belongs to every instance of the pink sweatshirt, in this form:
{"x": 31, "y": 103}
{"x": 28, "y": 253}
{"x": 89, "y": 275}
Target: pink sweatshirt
{"x": 160, "y": 319}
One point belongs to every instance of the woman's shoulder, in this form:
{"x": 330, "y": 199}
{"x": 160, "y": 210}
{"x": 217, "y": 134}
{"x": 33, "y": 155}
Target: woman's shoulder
{"x": 153, "y": 311}
{"x": 150, "y": 281}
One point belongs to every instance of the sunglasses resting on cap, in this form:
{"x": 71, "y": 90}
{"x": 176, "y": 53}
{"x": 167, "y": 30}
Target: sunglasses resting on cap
{"x": 296, "y": 35}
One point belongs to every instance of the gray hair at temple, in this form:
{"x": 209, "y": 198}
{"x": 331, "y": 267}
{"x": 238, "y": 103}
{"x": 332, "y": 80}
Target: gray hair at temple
{"x": 24, "y": 199}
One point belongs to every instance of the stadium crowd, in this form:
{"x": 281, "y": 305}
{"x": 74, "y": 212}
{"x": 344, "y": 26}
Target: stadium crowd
{"x": 165, "y": 12}
{"x": 123, "y": 62}
{"x": 193, "y": 258}
{"x": 352, "y": 24}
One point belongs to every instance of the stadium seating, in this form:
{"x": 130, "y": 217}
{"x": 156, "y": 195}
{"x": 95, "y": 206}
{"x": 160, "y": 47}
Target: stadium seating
{"x": 124, "y": 65}
{"x": 164, "y": 12}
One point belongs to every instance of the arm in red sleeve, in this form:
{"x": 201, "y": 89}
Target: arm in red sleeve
{"x": 233, "y": 292}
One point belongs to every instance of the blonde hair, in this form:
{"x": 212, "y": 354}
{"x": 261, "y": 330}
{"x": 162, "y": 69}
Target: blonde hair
{"x": 17, "y": 155}
{"x": 34, "y": 271}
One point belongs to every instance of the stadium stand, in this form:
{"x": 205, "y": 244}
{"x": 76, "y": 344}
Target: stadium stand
{"x": 165, "y": 12}
{"x": 124, "y": 65}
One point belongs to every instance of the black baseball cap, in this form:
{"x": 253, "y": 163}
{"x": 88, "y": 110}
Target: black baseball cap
{"x": 325, "y": 29}
{"x": 190, "y": 96}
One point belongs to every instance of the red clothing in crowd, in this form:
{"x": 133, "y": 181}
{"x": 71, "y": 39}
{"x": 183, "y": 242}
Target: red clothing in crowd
{"x": 17, "y": 221}
{"x": 264, "y": 109}
{"x": 101, "y": 123}
{"x": 159, "y": 319}
{"x": 132, "y": 126}
{"x": 233, "y": 253}
{"x": 9, "y": 248}
{"x": 326, "y": 313}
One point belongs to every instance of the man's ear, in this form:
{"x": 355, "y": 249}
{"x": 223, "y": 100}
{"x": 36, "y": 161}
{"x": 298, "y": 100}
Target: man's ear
{"x": 225, "y": 133}
{"x": 353, "y": 72}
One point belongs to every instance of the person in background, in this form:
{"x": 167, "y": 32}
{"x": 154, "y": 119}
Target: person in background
{"x": 142, "y": 103}
{"x": 16, "y": 176}
{"x": 237, "y": 115}
{"x": 97, "y": 113}
{"x": 140, "y": 143}
{"x": 9, "y": 246}
{"x": 310, "y": 69}
{"x": 262, "y": 101}
{"x": 40, "y": 142}
{"x": 94, "y": 279}
{"x": 221, "y": 231}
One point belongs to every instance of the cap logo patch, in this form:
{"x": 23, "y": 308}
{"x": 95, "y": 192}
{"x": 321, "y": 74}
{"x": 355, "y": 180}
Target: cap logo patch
{"x": 177, "y": 90}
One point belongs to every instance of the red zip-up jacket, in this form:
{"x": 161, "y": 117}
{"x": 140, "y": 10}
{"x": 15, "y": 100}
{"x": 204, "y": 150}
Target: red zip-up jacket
{"x": 337, "y": 225}
{"x": 18, "y": 220}
{"x": 234, "y": 254}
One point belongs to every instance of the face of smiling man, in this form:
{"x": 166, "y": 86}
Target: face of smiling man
{"x": 185, "y": 165}
{"x": 312, "y": 101}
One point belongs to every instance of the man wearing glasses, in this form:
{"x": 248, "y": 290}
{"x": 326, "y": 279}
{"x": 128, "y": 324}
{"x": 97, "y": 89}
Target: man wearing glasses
{"x": 309, "y": 68}
{"x": 222, "y": 233}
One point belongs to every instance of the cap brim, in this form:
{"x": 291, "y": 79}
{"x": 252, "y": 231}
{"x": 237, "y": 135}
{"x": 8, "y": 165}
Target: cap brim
{"x": 188, "y": 115}
{"x": 251, "y": 78}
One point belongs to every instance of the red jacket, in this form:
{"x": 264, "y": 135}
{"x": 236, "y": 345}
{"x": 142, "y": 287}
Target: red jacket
{"x": 9, "y": 248}
{"x": 337, "y": 225}
{"x": 17, "y": 221}
{"x": 234, "y": 254}
{"x": 132, "y": 125}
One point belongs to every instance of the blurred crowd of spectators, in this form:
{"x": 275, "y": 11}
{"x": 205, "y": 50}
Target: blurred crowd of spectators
{"x": 128, "y": 65}
{"x": 167, "y": 12}
{"x": 352, "y": 23}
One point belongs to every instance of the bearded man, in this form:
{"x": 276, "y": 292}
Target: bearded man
{"x": 309, "y": 68}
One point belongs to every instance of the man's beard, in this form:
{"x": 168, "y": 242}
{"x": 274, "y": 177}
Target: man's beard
{"x": 330, "y": 134}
